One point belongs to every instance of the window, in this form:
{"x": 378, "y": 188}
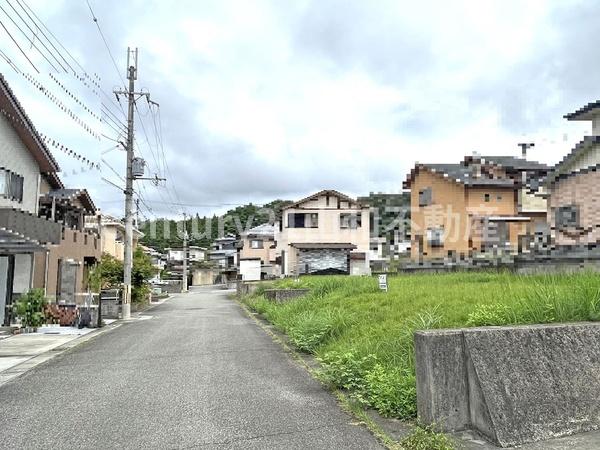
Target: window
{"x": 256, "y": 243}
{"x": 425, "y": 197}
{"x": 303, "y": 220}
{"x": 486, "y": 197}
{"x": 350, "y": 220}
{"x": 567, "y": 216}
{"x": 435, "y": 237}
{"x": 499, "y": 198}
{"x": 11, "y": 185}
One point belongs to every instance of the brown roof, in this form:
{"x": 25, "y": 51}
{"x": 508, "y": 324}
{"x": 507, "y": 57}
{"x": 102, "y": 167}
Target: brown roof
{"x": 325, "y": 245}
{"x": 26, "y": 131}
{"x": 324, "y": 192}
{"x": 70, "y": 194}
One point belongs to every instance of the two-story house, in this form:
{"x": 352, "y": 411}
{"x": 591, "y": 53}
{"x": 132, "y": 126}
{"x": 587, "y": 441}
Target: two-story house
{"x": 256, "y": 252}
{"x": 64, "y": 270}
{"x": 194, "y": 254}
{"x": 484, "y": 205}
{"x": 112, "y": 234}
{"x": 327, "y": 232}
{"x": 574, "y": 183}
{"x": 224, "y": 252}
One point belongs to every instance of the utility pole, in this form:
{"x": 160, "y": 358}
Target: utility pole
{"x": 184, "y": 286}
{"x": 128, "y": 258}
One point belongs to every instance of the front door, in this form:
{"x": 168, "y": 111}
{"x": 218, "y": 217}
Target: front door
{"x": 67, "y": 281}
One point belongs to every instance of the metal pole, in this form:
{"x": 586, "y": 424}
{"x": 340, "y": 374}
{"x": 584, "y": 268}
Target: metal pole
{"x": 184, "y": 286}
{"x": 128, "y": 258}
{"x": 99, "y": 241}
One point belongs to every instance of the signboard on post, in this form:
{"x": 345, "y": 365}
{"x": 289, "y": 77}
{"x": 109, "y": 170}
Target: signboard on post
{"x": 383, "y": 282}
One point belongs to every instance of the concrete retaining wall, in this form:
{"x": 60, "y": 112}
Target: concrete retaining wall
{"x": 244, "y": 288}
{"x": 285, "y": 295}
{"x": 512, "y": 384}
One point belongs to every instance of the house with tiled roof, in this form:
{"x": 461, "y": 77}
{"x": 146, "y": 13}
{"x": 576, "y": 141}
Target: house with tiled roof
{"x": 484, "y": 205}
{"x": 325, "y": 233}
{"x": 574, "y": 184}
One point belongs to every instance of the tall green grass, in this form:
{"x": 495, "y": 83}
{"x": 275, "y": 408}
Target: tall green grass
{"x": 364, "y": 336}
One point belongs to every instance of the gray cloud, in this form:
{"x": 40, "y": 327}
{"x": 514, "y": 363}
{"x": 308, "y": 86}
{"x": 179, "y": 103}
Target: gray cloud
{"x": 391, "y": 45}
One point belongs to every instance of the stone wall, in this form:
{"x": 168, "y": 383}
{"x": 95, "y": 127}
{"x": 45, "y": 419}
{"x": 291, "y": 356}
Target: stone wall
{"x": 511, "y": 384}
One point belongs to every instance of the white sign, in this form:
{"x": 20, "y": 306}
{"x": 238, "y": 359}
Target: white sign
{"x": 383, "y": 282}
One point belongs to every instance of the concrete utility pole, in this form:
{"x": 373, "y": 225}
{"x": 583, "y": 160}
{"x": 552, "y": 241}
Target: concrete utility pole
{"x": 128, "y": 258}
{"x": 184, "y": 286}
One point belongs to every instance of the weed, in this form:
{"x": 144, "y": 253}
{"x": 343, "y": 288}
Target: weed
{"x": 364, "y": 337}
{"x": 426, "y": 438}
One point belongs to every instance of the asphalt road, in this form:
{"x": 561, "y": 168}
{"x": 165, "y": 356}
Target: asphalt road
{"x": 197, "y": 374}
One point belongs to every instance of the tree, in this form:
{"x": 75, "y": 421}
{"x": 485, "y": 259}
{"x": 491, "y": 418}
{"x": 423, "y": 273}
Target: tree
{"x": 109, "y": 274}
{"x": 245, "y": 216}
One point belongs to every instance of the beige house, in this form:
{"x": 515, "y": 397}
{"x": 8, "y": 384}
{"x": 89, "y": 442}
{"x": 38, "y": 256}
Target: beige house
{"x": 112, "y": 234}
{"x": 257, "y": 255}
{"x": 573, "y": 210}
{"x": 327, "y": 232}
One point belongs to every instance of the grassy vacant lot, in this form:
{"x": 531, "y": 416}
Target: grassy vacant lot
{"x": 363, "y": 336}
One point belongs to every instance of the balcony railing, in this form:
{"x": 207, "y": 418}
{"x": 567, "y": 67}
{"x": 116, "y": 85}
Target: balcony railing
{"x": 22, "y": 227}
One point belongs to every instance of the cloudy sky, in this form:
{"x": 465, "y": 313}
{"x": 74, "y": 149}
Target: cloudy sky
{"x": 265, "y": 99}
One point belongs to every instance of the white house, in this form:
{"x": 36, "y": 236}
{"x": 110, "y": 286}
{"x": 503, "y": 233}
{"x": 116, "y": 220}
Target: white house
{"x": 327, "y": 232}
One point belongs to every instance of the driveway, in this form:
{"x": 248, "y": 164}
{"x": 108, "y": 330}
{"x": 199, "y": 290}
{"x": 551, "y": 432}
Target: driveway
{"x": 197, "y": 373}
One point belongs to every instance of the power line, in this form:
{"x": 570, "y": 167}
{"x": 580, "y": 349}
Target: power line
{"x": 34, "y": 35}
{"x": 148, "y": 140}
{"x": 44, "y": 34}
{"x": 75, "y": 74}
{"x": 112, "y": 169}
{"x": 95, "y": 19}
{"x": 27, "y": 37}
{"x": 19, "y": 47}
{"x": 9, "y": 62}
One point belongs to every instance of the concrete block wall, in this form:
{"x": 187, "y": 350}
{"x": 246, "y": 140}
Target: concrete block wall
{"x": 285, "y": 295}
{"x": 513, "y": 385}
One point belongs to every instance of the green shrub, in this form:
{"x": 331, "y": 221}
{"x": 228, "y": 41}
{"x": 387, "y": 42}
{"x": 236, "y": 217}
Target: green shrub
{"x": 310, "y": 331}
{"x": 489, "y": 315}
{"x": 29, "y": 308}
{"x": 352, "y": 326}
{"x": 392, "y": 392}
{"x": 426, "y": 438}
{"x": 346, "y": 370}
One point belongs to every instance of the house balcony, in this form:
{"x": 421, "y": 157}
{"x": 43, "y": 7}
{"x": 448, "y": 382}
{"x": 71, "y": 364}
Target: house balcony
{"x": 23, "y": 232}
{"x": 532, "y": 202}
